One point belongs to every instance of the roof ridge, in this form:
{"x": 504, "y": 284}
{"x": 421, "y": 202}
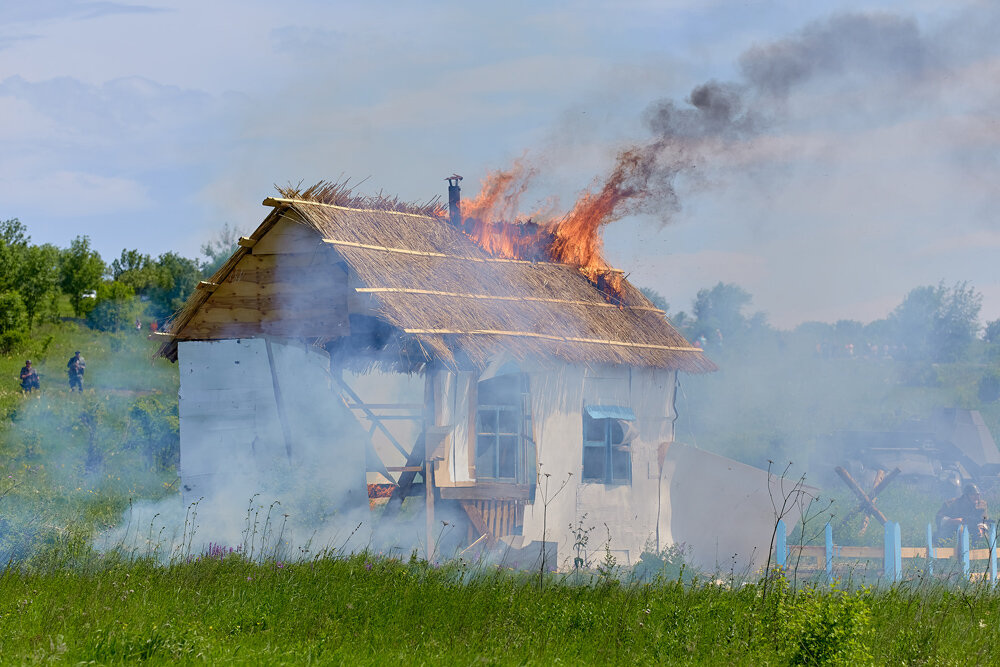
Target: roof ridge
{"x": 278, "y": 201}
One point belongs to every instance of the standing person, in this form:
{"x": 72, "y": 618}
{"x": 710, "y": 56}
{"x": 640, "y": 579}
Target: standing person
{"x": 29, "y": 377}
{"x": 76, "y": 367}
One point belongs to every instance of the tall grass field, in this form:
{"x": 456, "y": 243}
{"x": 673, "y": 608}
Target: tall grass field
{"x": 72, "y": 465}
{"x": 220, "y": 608}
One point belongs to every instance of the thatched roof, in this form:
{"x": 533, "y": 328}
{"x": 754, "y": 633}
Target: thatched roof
{"x": 433, "y": 283}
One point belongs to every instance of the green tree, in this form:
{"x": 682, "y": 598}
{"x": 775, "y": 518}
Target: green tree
{"x": 13, "y": 246}
{"x": 992, "y": 332}
{"x": 136, "y": 270}
{"x": 720, "y": 309}
{"x": 176, "y": 278}
{"x": 39, "y": 282}
{"x": 116, "y": 307}
{"x": 80, "y": 271}
{"x": 938, "y": 323}
{"x": 13, "y": 321}
{"x": 219, "y": 248}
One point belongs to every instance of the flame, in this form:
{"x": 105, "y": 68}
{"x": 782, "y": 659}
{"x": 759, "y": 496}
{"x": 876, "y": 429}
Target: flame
{"x": 492, "y": 220}
{"x": 500, "y": 193}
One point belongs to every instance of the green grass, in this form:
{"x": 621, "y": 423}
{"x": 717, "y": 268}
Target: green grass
{"x": 70, "y": 464}
{"x": 73, "y": 461}
{"x": 364, "y": 610}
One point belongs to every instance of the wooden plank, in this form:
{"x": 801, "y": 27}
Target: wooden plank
{"x": 210, "y": 314}
{"x": 478, "y": 520}
{"x": 487, "y": 491}
{"x": 196, "y": 331}
{"x": 323, "y": 284}
{"x": 306, "y": 301}
{"x": 866, "y": 502}
{"x": 346, "y": 388}
{"x": 246, "y": 242}
{"x": 810, "y": 551}
{"x": 306, "y": 328}
{"x": 206, "y": 286}
{"x": 597, "y": 303}
{"x": 858, "y": 552}
{"x": 286, "y": 237}
{"x": 913, "y": 552}
{"x": 310, "y": 258}
{"x": 414, "y": 459}
{"x": 561, "y": 339}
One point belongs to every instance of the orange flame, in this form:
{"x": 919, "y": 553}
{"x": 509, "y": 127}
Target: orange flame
{"x": 491, "y": 218}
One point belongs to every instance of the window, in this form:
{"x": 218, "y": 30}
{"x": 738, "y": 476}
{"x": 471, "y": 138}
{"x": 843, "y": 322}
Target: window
{"x": 503, "y": 428}
{"x": 607, "y": 453}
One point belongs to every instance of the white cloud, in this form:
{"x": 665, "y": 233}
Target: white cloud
{"x": 68, "y": 194}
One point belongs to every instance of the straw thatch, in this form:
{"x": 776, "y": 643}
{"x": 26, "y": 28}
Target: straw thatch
{"x": 440, "y": 289}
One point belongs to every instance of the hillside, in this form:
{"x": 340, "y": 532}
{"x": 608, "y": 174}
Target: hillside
{"x": 70, "y": 463}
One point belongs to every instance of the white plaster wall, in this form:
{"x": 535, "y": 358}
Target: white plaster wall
{"x": 722, "y": 509}
{"x": 234, "y": 444}
{"x": 629, "y": 511}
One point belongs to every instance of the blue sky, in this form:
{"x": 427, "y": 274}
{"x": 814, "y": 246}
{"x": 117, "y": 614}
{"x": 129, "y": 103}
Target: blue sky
{"x": 874, "y": 167}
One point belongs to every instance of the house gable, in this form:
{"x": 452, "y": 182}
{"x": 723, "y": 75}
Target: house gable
{"x": 286, "y": 283}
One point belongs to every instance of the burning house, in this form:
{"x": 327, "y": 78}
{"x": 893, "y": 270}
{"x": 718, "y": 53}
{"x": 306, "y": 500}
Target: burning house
{"x": 473, "y": 369}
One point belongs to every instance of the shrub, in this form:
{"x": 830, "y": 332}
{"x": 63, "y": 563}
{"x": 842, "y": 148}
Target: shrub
{"x": 13, "y": 321}
{"x": 116, "y": 308}
{"x": 155, "y": 431}
{"x": 989, "y": 387}
{"x": 829, "y": 627}
{"x": 668, "y": 564}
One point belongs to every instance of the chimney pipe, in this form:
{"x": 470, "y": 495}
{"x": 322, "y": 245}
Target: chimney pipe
{"x": 454, "y": 200}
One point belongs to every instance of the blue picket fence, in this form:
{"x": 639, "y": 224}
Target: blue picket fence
{"x": 891, "y": 554}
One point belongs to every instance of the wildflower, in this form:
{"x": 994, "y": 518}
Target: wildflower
{"x": 368, "y": 566}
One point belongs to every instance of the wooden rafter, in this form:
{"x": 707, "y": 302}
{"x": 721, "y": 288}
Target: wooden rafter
{"x": 425, "y": 253}
{"x": 566, "y": 339}
{"x": 593, "y": 304}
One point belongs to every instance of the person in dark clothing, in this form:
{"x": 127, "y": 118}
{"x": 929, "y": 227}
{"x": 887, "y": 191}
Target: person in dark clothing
{"x": 76, "y": 368}
{"x": 968, "y": 510}
{"x": 29, "y": 377}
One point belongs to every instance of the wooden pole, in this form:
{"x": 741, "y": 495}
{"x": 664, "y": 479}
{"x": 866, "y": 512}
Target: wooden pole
{"x": 429, "y": 494}
{"x": 866, "y": 502}
{"x": 278, "y": 402}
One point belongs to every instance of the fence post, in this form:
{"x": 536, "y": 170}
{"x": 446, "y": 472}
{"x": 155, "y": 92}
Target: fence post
{"x": 892, "y": 564}
{"x": 963, "y": 550}
{"x": 993, "y": 555}
{"x": 780, "y": 545}
{"x": 897, "y": 543}
{"x": 888, "y": 559}
{"x": 930, "y": 550}
{"x": 829, "y": 552}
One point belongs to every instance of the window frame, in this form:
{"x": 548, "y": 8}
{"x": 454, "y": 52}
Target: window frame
{"x": 607, "y": 446}
{"x": 501, "y": 439}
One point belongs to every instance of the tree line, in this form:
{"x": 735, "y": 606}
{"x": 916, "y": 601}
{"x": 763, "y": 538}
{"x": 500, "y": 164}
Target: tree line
{"x": 36, "y": 279}
{"x": 934, "y": 323}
